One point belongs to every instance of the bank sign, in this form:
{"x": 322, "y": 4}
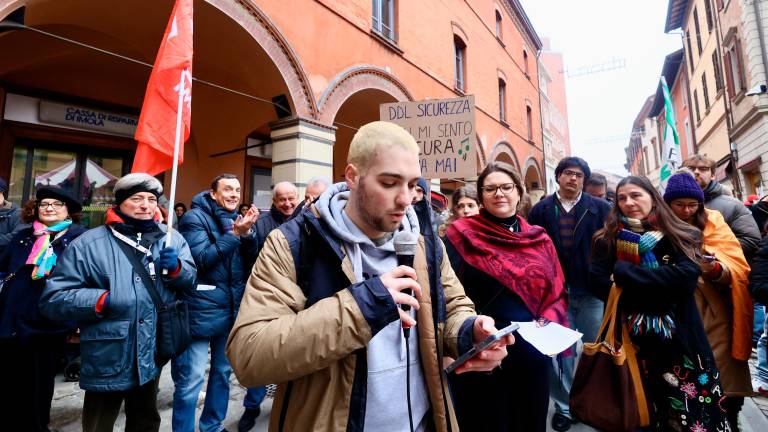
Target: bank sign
{"x": 87, "y": 118}
{"x": 445, "y": 132}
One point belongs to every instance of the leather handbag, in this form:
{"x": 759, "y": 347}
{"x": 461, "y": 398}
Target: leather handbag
{"x": 607, "y": 391}
{"x": 173, "y": 335}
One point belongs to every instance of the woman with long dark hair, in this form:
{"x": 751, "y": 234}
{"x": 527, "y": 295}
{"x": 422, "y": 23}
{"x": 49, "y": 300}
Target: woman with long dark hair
{"x": 653, "y": 257}
{"x": 511, "y": 272}
{"x": 30, "y": 344}
{"x": 722, "y": 296}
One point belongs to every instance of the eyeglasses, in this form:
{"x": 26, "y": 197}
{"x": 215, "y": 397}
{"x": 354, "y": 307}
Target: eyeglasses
{"x": 702, "y": 168}
{"x": 569, "y": 173}
{"x": 505, "y": 188}
{"x": 56, "y": 205}
{"x": 685, "y": 206}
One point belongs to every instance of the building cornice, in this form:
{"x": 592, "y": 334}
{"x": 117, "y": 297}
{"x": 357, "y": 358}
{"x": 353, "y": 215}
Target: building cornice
{"x": 516, "y": 11}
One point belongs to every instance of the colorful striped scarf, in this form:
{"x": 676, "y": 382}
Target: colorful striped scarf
{"x": 42, "y": 257}
{"x": 635, "y": 246}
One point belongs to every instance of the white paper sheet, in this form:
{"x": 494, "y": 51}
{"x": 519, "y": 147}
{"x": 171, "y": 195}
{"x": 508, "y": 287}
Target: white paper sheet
{"x": 552, "y": 339}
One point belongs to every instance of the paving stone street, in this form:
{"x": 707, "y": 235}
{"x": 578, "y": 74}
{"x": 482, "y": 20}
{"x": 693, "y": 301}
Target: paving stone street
{"x": 68, "y": 401}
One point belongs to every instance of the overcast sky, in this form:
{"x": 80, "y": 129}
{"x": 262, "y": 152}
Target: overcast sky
{"x": 602, "y": 106}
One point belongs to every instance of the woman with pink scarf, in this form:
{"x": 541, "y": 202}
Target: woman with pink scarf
{"x": 31, "y": 345}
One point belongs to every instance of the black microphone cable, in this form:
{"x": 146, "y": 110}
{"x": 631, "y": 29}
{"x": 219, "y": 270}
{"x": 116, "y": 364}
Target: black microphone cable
{"x": 406, "y": 333}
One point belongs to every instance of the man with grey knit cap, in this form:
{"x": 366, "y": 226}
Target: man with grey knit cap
{"x": 96, "y": 285}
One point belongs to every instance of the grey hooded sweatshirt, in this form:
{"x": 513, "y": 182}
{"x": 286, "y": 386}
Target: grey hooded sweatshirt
{"x": 386, "y": 405}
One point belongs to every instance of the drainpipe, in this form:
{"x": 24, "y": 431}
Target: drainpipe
{"x": 759, "y": 16}
{"x": 726, "y": 102}
{"x": 541, "y": 124}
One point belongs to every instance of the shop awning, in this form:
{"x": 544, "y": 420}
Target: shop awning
{"x": 720, "y": 172}
{"x": 94, "y": 175}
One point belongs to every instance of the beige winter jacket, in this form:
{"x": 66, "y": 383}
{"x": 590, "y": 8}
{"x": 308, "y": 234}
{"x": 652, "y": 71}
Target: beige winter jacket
{"x": 310, "y": 353}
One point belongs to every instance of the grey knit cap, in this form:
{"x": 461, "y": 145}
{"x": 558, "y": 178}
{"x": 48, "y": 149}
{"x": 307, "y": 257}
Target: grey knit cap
{"x": 134, "y": 183}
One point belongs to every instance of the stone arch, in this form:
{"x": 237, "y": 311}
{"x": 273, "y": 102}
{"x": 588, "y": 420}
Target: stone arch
{"x": 268, "y": 36}
{"x": 502, "y": 151}
{"x": 353, "y": 80}
{"x": 482, "y": 159}
{"x": 531, "y": 172}
{"x": 256, "y": 23}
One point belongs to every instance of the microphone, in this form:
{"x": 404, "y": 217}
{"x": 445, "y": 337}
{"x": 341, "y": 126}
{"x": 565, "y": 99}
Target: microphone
{"x": 406, "y": 244}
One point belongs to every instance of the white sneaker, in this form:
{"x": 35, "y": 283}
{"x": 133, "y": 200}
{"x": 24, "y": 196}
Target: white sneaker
{"x": 760, "y": 387}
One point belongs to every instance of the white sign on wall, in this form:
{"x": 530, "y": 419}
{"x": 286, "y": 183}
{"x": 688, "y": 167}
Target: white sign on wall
{"x": 87, "y": 118}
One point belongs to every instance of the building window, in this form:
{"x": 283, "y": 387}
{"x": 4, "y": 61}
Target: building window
{"x": 690, "y": 50}
{"x": 529, "y": 122}
{"x": 502, "y": 100}
{"x": 718, "y": 72}
{"x": 655, "y": 152}
{"x": 688, "y": 139}
{"x": 460, "y": 51}
{"x": 705, "y": 90}
{"x": 384, "y": 18}
{"x": 525, "y": 64}
{"x": 697, "y": 28}
{"x": 708, "y": 9}
{"x": 498, "y": 25}
{"x": 696, "y": 105}
{"x": 734, "y": 70}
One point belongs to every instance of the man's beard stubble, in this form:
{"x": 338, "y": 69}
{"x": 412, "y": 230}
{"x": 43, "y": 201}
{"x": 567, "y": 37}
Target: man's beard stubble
{"x": 374, "y": 221}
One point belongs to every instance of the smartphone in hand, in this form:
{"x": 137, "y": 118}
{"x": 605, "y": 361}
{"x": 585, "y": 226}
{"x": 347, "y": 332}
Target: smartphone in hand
{"x": 482, "y": 346}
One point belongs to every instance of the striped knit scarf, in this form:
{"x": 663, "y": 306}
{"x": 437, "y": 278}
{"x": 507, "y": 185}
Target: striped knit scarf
{"x": 42, "y": 257}
{"x": 635, "y": 246}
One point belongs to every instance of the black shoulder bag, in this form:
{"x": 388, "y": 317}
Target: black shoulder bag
{"x": 173, "y": 335}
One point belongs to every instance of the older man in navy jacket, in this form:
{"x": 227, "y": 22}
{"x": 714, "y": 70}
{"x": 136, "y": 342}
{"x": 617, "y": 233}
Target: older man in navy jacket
{"x": 571, "y": 217}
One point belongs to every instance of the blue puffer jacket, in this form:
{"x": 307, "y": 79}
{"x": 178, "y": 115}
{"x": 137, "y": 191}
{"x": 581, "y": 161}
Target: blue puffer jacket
{"x": 221, "y": 275}
{"x": 117, "y": 347}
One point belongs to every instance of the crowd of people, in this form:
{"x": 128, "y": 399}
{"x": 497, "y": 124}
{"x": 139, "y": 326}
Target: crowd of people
{"x": 310, "y": 295}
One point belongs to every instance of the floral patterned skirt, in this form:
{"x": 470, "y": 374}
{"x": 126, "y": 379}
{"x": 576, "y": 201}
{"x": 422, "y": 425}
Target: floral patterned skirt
{"x": 683, "y": 389}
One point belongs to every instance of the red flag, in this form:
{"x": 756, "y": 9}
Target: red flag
{"x": 171, "y": 74}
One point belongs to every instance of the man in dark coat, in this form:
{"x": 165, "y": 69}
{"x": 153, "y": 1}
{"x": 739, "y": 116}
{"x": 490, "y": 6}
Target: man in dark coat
{"x": 285, "y": 205}
{"x": 9, "y": 217}
{"x": 571, "y": 217}
{"x": 221, "y": 243}
{"x": 716, "y": 197}
{"x": 285, "y": 201}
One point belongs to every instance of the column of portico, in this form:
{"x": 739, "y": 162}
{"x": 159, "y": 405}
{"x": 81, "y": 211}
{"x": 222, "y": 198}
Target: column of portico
{"x": 301, "y": 149}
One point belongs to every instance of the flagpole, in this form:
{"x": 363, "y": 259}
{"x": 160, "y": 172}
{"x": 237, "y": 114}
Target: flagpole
{"x": 175, "y": 167}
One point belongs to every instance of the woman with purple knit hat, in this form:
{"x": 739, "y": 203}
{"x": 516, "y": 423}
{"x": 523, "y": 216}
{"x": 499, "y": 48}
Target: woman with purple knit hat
{"x": 722, "y": 297}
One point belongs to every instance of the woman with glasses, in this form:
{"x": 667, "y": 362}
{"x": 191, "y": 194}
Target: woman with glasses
{"x": 654, "y": 258}
{"x": 722, "y": 296}
{"x": 511, "y": 272}
{"x": 31, "y": 345}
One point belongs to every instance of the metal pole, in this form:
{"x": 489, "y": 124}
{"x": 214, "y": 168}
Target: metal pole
{"x": 175, "y": 168}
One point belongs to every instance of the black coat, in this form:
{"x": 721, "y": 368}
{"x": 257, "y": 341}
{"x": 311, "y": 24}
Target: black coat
{"x": 518, "y": 392}
{"x": 667, "y": 289}
{"x": 591, "y": 213}
{"x": 19, "y": 314}
{"x": 758, "y": 277}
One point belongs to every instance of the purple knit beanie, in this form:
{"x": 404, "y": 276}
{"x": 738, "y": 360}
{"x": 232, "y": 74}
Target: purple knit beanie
{"x": 683, "y": 185}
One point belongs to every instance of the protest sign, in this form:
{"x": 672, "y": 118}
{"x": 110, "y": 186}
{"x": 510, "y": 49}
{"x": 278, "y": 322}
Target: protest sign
{"x": 445, "y": 132}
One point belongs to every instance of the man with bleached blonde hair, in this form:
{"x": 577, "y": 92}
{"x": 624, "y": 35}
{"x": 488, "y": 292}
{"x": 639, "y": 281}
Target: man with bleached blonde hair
{"x": 321, "y": 311}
